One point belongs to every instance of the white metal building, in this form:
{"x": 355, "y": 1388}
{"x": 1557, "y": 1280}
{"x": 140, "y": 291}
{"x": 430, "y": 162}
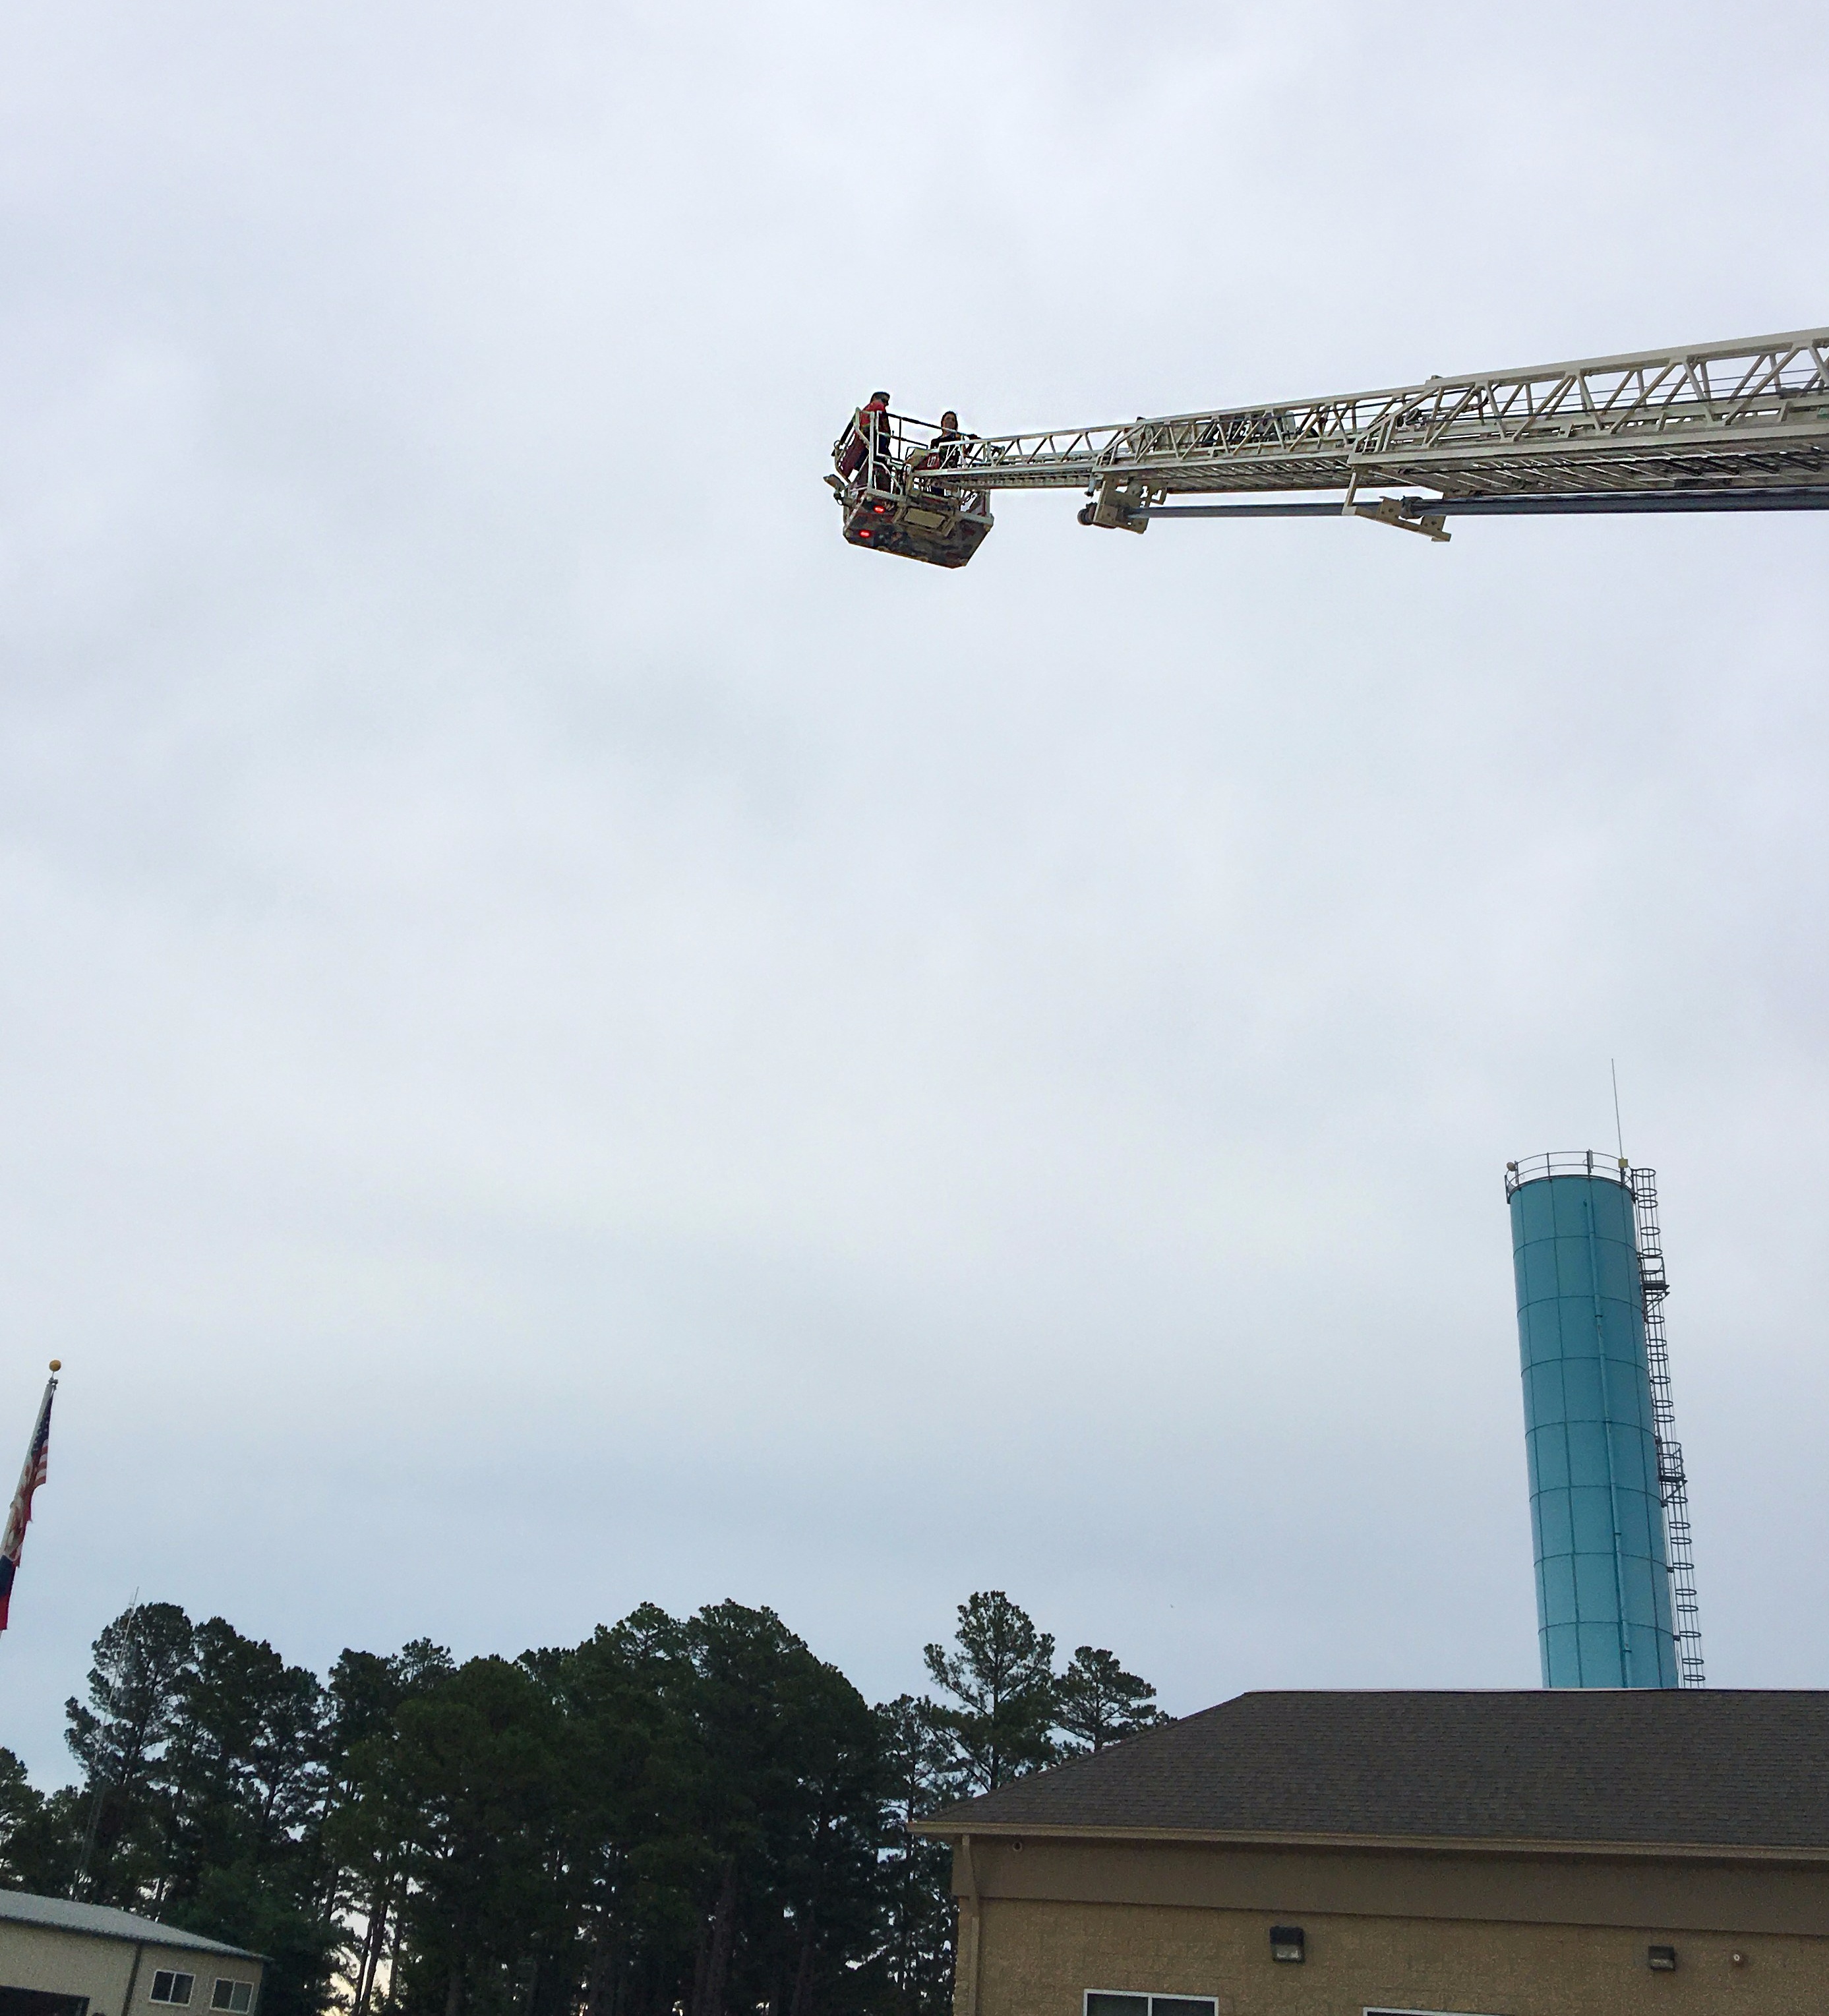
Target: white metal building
{"x": 61, "y": 1959}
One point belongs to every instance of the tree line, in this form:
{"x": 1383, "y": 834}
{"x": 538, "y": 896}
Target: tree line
{"x": 680, "y": 1816}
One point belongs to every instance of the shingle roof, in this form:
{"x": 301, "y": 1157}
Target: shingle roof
{"x": 1701, "y": 1766}
{"x": 103, "y": 1921}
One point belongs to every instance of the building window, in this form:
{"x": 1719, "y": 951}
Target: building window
{"x": 173, "y": 1988}
{"x": 1102, "y": 2002}
{"x": 236, "y": 1996}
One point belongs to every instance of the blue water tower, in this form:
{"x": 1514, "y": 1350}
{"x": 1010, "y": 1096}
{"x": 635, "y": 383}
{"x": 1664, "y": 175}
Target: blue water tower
{"x": 1604, "y": 1601}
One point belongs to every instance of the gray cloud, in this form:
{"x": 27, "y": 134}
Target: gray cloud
{"x": 566, "y": 1038}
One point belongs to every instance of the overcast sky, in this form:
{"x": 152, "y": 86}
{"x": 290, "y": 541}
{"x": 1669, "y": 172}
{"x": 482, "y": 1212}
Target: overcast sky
{"x": 566, "y": 1038}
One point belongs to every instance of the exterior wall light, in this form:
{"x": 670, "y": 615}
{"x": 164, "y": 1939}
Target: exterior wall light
{"x": 1286, "y": 1942}
{"x": 1661, "y": 1960}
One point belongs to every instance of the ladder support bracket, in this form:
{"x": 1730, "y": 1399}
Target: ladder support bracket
{"x": 1389, "y": 511}
{"x": 1123, "y": 503}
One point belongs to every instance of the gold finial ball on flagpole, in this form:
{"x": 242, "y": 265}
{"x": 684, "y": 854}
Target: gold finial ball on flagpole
{"x": 57, "y": 1365}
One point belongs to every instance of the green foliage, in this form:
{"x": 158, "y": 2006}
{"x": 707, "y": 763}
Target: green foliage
{"x": 1002, "y": 1678}
{"x": 21, "y": 1802}
{"x": 204, "y": 1758}
{"x": 40, "y": 1838}
{"x": 915, "y": 1876}
{"x": 1098, "y": 1703}
{"x": 255, "y": 1906}
{"x": 136, "y": 1693}
{"x": 372, "y": 1825}
{"x": 478, "y": 1762}
{"x": 244, "y": 1767}
{"x": 691, "y": 1816}
{"x": 43, "y": 1846}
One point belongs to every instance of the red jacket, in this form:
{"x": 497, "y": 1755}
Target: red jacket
{"x": 871, "y": 430}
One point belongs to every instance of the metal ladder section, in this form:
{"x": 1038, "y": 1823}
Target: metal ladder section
{"x": 1673, "y": 1484}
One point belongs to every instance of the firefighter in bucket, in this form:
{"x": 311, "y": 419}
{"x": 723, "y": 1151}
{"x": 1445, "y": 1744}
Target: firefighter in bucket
{"x": 885, "y": 470}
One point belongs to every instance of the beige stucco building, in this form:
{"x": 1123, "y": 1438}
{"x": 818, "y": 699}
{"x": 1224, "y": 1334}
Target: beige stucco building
{"x": 1554, "y": 1853}
{"x": 61, "y": 1959}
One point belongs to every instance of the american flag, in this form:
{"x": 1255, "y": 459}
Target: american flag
{"x": 20, "y": 1516}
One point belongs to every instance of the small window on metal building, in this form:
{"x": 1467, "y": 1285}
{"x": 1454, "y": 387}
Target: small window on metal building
{"x": 1661, "y": 1960}
{"x": 236, "y": 1996}
{"x": 168, "y": 1986}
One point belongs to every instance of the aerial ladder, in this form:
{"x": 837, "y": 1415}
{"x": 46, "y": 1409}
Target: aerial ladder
{"x": 1719, "y": 427}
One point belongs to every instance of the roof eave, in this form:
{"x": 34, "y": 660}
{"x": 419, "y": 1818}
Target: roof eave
{"x": 155, "y": 1935}
{"x": 952, "y": 1830}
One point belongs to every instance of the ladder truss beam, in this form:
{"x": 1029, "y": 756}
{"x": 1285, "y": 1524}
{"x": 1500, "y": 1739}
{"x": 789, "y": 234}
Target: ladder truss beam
{"x": 1751, "y": 415}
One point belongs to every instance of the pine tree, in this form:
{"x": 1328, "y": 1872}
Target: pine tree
{"x": 136, "y": 1695}
{"x": 243, "y": 1777}
{"x": 691, "y": 1816}
{"x": 914, "y": 1875}
{"x": 1097, "y": 1703}
{"x": 22, "y": 1806}
{"x": 1003, "y": 1678}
